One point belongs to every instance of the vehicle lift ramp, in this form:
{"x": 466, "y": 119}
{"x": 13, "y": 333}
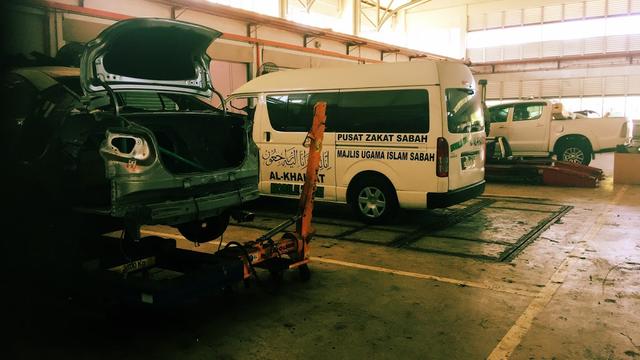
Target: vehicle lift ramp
{"x": 502, "y": 166}
{"x": 151, "y": 270}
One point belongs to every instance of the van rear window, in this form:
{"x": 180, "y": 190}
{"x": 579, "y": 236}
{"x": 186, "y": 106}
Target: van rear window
{"x": 386, "y": 111}
{"x": 464, "y": 111}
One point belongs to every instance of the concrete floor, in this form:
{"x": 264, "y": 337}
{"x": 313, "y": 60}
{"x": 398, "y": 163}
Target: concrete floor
{"x": 573, "y": 293}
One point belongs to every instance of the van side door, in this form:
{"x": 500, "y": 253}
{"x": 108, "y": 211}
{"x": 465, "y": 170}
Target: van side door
{"x": 386, "y": 131}
{"x": 283, "y": 159}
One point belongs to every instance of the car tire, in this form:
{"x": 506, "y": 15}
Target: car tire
{"x": 373, "y": 200}
{"x": 202, "y": 231}
{"x": 576, "y": 152}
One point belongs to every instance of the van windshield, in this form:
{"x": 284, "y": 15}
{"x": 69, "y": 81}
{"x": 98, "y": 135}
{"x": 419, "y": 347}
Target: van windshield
{"x": 464, "y": 111}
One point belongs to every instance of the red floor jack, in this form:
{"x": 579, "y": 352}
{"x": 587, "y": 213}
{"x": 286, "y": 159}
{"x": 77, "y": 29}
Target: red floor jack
{"x": 153, "y": 271}
{"x": 502, "y": 166}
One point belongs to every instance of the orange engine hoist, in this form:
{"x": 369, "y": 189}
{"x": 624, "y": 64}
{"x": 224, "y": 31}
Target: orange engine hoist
{"x": 293, "y": 245}
{"x": 156, "y": 272}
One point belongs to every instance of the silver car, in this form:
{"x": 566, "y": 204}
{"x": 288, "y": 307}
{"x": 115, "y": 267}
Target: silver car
{"x": 131, "y": 136}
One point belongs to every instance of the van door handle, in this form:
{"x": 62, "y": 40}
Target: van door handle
{"x": 267, "y": 136}
{"x": 501, "y": 127}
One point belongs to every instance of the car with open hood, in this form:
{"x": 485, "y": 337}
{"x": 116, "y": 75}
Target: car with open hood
{"x": 131, "y": 135}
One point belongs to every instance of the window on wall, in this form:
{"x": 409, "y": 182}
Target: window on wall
{"x": 628, "y": 106}
{"x": 623, "y": 25}
{"x": 613, "y": 105}
{"x": 571, "y": 104}
{"x": 592, "y": 103}
{"x": 567, "y": 30}
{"x": 267, "y": 7}
{"x": 573, "y": 30}
{"x": 324, "y": 14}
{"x": 633, "y": 107}
{"x": 444, "y": 41}
{"x": 500, "y": 37}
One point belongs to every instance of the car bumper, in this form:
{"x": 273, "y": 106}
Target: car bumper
{"x": 178, "y": 212}
{"x": 442, "y": 200}
{"x": 176, "y": 206}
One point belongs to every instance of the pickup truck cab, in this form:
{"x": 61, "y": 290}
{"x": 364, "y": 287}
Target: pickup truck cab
{"x": 541, "y": 128}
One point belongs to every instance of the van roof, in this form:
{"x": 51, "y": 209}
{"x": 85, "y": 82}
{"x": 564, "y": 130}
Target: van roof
{"x": 415, "y": 73}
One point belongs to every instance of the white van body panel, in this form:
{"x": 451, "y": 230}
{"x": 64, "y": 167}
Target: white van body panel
{"x": 417, "y": 73}
{"x": 358, "y": 166}
{"x": 466, "y": 150}
{"x": 407, "y": 160}
{"x": 283, "y": 159}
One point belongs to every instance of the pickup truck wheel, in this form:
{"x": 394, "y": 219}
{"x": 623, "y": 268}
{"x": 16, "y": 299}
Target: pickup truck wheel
{"x": 373, "y": 200}
{"x": 202, "y": 231}
{"x": 575, "y": 152}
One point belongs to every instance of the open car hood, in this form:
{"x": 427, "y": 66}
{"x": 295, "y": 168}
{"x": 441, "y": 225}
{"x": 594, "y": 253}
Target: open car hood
{"x": 149, "y": 54}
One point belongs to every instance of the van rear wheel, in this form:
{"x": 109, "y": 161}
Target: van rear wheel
{"x": 373, "y": 200}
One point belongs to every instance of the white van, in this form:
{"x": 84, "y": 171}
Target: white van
{"x": 407, "y": 135}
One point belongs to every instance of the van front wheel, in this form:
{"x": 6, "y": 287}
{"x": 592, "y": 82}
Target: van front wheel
{"x": 373, "y": 200}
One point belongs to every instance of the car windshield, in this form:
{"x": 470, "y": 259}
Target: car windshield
{"x": 464, "y": 111}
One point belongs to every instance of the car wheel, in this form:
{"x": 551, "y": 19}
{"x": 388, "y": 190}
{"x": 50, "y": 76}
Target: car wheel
{"x": 575, "y": 152}
{"x": 202, "y": 231}
{"x": 373, "y": 200}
